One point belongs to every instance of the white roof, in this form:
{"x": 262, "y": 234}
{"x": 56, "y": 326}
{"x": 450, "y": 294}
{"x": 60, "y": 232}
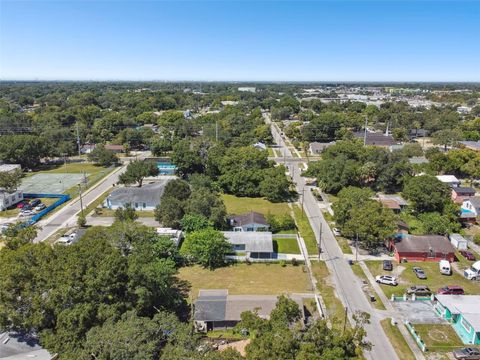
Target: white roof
{"x": 9, "y": 167}
{"x": 467, "y": 305}
{"x": 254, "y": 241}
{"x": 448, "y": 178}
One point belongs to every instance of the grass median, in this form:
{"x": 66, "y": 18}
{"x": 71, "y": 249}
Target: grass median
{"x": 305, "y": 230}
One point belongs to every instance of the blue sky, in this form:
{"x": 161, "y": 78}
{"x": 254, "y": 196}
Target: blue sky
{"x": 240, "y": 40}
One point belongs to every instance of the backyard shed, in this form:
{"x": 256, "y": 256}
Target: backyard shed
{"x": 458, "y": 241}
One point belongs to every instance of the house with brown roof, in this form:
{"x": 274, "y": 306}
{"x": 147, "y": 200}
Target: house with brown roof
{"x": 252, "y": 221}
{"x": 423, "y": 248}
{"x": 460, "y": 194}
{"x": 117, "y": 149}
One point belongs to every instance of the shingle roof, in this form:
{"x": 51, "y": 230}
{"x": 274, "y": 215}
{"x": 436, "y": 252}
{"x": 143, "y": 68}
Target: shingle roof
{"x": 418, "y": 160}
{"x": 319, "y": 147}
{"x": 423, "y": 243}
{"x": 475, "y": 201}
{"x": 464, "y": 190}
{"x": 254, "y": 241}
{"x": 376, "y": 139}
{"x": 148, "y": 193}
{"x": 249, "y": 218}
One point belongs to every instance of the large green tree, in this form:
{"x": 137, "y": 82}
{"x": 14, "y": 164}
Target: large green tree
{"x": 207, "y": 247}
{"x": 426, "y": 193}
{"x": 138, "y": 170}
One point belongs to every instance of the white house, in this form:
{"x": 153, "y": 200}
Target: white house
{"x": 142, "y": 198}
{"x": 175, "y": 235}
{"x": 251, "y": 221}
{"x": 471, "y": 206}
{"x": 9, "y": 199}
{"x": 255, "y": 245}
{"x": 450, "y": 180}
{"x": 458, "y": 241}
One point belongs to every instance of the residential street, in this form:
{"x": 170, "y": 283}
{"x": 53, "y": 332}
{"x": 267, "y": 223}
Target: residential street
{"x": 347, "y": 285}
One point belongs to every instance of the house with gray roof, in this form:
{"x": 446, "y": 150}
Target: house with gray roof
{"x": 472, "y": 145}
{"x": 146, "y": 197}
{"x": 418, "y": 160}
{"x": 218, "y": 310}
{"x": 316, "y": 148}
{"x": 255, "y": 245}
{"x": 252, "y": 221}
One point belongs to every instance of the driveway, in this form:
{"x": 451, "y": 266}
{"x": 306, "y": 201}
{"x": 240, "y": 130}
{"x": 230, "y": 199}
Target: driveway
{"x": 418, "y": 312}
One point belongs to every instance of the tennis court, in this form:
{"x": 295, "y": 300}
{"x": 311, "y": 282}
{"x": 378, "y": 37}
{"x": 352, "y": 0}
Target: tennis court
{"x": 51, "y": 183}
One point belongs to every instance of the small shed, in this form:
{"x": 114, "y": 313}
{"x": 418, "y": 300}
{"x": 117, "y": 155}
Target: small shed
{"x": 458, "y": 241}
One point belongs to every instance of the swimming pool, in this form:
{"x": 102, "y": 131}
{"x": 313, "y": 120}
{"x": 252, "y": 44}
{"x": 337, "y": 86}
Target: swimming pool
{"x": 166, "y": 168}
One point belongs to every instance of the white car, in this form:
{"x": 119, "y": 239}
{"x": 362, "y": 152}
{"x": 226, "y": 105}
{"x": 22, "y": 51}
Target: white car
{"x": 25, "y": 213}
{"x": 386, "y": 280}
{"x": 336, "y": 232}
{"x": 40, "y": 207}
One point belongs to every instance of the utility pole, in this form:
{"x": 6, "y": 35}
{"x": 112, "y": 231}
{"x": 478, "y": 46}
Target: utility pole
{"x": 81, "y": 200}
{"x": 356, "y": 248}
{"x": 284, "y": 150}
{"x": 345, "y": 320}
{"x": 303, "y": 197}
{"x": 319, "y": 239}
{"x": 216, "y": 131}
{"x": 78, "y": 138}
{"x": 365, "y": 132}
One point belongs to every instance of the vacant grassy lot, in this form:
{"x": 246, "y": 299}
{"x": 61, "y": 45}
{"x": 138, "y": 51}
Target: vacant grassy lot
{"x": 286, "y": 246}
{"x": 406, "y": 277}
{"x": 335, "y": 310}
{"x": 241, "y": 205}
{"x": 305, "y": 230}
{"x": 397, "y": 340}
{"x": 439, "y": 337}
{"x": 261, "y": 279}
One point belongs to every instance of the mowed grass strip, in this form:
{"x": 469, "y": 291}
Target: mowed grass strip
{"x": 357, "y": 270}
{"x": 439, "y": 337}
{"x": 406, "y": 277}
{"x": 260, "y": 279}
{"x": 397, "y": 340}
{"x": 286, "y": 245}
{"x": 305, "y": 230}
{"x": 335, "y": 310}
{"x": 240, "y": 205}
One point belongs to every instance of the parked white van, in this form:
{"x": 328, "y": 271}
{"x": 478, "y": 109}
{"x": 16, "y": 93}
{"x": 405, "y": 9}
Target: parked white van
{"x": 445, "y": 267}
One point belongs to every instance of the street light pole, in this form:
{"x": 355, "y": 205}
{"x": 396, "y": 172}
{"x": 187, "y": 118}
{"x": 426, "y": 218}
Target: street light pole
{"x": 81, "y": 200}
{"x": 319, "y": 239}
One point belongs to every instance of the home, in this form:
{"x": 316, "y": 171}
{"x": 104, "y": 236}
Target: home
{"x": 423, "y": 248}
{"x": 416, "y": 133}
{"x": 470, "y": 209}
{"x": 255, "y": 245}
{"x": 260, "y": 146}
{"x": 375, "y": 139}
{"x": 175, "y": 235}
{"x": 10, "y": 199}
{"x": 460, "y": 194}
{"x": 218, "y": 310}
{"x": 142, "y": 198}
{"x": 394, "y": 202}
{"x": 317, "y": 148}
{"x": 87, "y": 148}
{"x": 252, "y": 221}
{"x": 418, "y": 160}
{"x": 6, "y": 168}
{"x": 458, "y": 241}
{"x": 117, "y": 149}
{"x": 450, "y": 180}
{"x": 247, "y": 89}
{"x": 463, "y": 313}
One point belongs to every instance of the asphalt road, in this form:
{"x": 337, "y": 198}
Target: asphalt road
{"x": 347, "y": 285}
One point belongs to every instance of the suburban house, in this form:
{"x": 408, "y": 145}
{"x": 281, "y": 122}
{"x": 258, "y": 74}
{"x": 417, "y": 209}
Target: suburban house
{"x": 9, "y": 199}
{"x": 470, "y": 209}
{"x": 418, "y": 160}
{"x": 117, "y": 149}
{"x": 376, "y": 139}
{"x": 87, "y": 148}
{"x": 463, "y": 313}
{"x": 450, "y": 180}
{"x": 423, "y": 248}
{"x": 175, "y": 235}
{"x": 416, "y": 133}
{"x": 317, "y": 148}
{"x": 260, "y": 146}
{"x": 472, "y": 145}
{"x": 217, "y": 310}
{"x": 460, "y": 194}
{"x": 458, "y": 241}
{"x": 146, "y": 197}
{"x": 252, "y": 221}
{"x": 255, "y": 245}
{"x": 393, "y": 202}
{"x": 5, "y": 168}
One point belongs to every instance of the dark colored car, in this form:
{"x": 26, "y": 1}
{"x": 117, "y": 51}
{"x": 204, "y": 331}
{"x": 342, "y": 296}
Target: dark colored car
{"x": 451, "y": 290}
{"x": 387, "y": 265}
{"x": 467, "y": 354}
{"x": 420, "y": 273}
{"x": 27, "y": 207}
{"x": 35, "y": 202}
{"x": 468, "y": 255}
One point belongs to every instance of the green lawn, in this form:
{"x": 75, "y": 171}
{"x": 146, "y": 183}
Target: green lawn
{"x": 406, "y": 277}
{"x": 225, "y": 334}
{"x": 343, "y": 243}
{"x": 305, "y": 230}
{"x": 357, "y": 269}
{"x": 111, "y": 213}
{"x": 240, "y": 278}
{"x": 335, "y": 310}
{"x": 397, "y": 340}
{"x": 286, "y": 245}
{"x": 241, "y": 205}
{"x": 439, "y": 337}
{"x": 86, "y": 167}
{"x": 271, "y": 153}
